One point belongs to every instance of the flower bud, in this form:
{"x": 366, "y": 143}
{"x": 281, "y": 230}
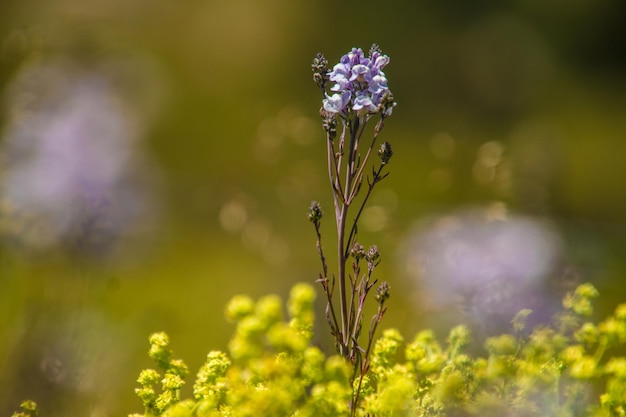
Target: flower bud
{"x": 315, "y": 212}
{"x": 329, "y": 124}
{"x": 382, "y": 292}
{"x": 357, "y": 252}
{"x": 372, "y": 254}
{"x": 319, "y": 70}
{"x": 375, "y": 49}
{"x": 385, "y": 152}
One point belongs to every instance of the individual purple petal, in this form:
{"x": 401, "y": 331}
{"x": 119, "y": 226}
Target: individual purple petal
{"x": 339, "y": 70}
{"x": 355, "y": 56}
{"x": 359, "y": 72}
{"x": 337, "y": 102}
{"x": 339, "y": 75}
{"x": 342, "y": 84}
{"x": 377, "y": 83}
{"x": 363, "y": 103}
{"x": 377, "y": 96}
{"x": 380, "y": 62}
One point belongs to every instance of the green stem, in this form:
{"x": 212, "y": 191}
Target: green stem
{"x": 353, "y": 230}
{"x": 341, "y": 226}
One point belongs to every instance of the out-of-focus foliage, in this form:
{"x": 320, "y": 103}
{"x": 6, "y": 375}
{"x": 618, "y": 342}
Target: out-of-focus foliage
{"x": 272, "y": 369}
{"x": 200, "y": 121}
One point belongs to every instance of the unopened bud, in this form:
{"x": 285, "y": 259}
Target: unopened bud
{"x": 329, "y": 124}
{"x": 357, "y": 252}
{"x": 319, "y": 70}
{"x": 385, "y": 152}
{"x": 372, "y": 254}
{"x": 315, "y": 212}
{"x": 382, "y": 292}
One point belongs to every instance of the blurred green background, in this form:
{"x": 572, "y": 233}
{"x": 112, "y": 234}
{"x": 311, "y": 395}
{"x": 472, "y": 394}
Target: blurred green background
{"x": 522, "y": 103}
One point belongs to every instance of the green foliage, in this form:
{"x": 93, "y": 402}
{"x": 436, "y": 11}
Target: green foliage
{"x": 29, "y": 409}
{"x": 171, "y": 378}
{"x": 272, "y": 369}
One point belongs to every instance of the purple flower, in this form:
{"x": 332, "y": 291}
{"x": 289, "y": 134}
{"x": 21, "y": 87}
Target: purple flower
{"x": 339, "y": 75}
{"x": 377, "y": 83}
{"x": 379, "y": 61}
{"x": 73, "y": 163}
{"x": 363, "y": 104}
{"x": 359, "y": 84}
{"x": 337, "y": 102}
{"x": 359, "y": 73}
{"x": 353, "y": 57}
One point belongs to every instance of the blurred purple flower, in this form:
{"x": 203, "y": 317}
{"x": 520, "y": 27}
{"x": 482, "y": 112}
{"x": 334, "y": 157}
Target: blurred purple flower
{"x": 494, "y": 266}
{"x": 72, "y": 153}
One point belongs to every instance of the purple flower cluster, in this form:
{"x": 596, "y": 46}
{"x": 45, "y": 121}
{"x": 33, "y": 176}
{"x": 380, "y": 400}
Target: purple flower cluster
{"x": 360, "y": 85}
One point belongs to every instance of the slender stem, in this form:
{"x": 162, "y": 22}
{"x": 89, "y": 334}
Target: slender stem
{"x": 366, "y": 364}
{"x": 341, "y": 227}
{"x": 333, "y": 172}
{"x": 354, "y": 150}
{"x": 363, "y": 290}
{"x": 354, "y": 127}
{"x": 355, "y": 398}
{"x": 359, "y": 175}
{"x": 352, "y": 234}
{"x": 355, "y": 130}
{"x": 352, "y": 314}
{"x": 353, "y": 163}
{"x": 320, "y": 251}
{"x": 341, "y": 207}
{"x": 334, "y": 168}
{"x": 327, "y": 289}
